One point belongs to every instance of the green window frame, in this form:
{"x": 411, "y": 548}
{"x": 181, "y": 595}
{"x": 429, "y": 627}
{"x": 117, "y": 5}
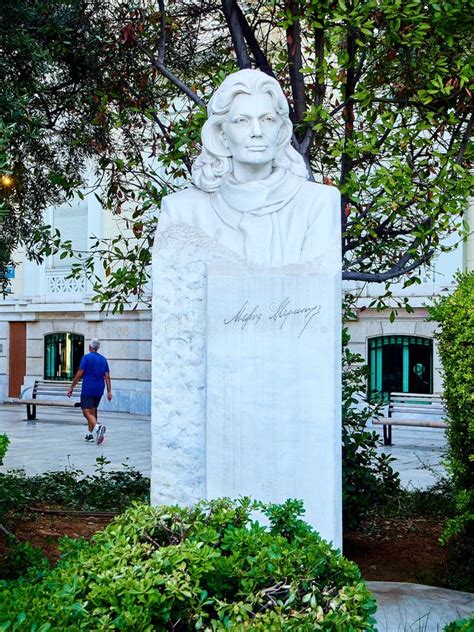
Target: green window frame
{"x": 62, "y": 355}
{"x": 399, "y": 364}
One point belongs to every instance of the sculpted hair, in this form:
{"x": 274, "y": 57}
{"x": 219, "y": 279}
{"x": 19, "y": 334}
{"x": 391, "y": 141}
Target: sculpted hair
{"x": 215, "y": 159}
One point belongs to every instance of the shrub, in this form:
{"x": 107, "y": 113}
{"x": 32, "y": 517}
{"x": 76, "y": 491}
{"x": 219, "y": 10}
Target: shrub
{"x": 435, "y": 501}
{"x": 21, "y": 559}
{"x": 103, "y": 490}
{"x": 455, "y": 314}
{"x": 367, "y": 477}
{"x": 463, "y": 625}
{"x": 207, "y": 568}
{"x": 3, "y": 446}
{"x": 3, "y": 449}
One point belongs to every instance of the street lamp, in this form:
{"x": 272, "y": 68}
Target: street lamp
{"x": 7, "y": 181}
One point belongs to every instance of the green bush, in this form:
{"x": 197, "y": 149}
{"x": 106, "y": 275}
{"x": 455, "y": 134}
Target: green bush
{"x": 103, "y": 490}
{"x": 368, "y": 479}
{"x": 455, "y": 314}
{"x": 22, "y": 558}
{"x": 435, "y": 501}
{"x": 464, "y": 625}
{"x": 3, "y": 447}
{"x": 207, "y": 568}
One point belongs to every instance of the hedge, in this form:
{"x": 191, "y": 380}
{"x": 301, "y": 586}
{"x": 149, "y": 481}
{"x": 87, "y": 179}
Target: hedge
{"x": 455, "y": 314}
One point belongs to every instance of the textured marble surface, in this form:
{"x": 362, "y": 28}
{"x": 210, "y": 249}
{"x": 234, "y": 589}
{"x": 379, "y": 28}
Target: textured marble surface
{"x": 273, "y": 387}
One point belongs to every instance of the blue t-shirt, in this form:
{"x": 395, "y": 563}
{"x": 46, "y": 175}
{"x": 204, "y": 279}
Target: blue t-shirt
{"x": 95, "y": 367}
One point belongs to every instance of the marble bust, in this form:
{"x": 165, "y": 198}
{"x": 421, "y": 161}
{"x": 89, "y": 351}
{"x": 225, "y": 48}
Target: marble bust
{"x": 251, "y": 211}
{"x": 250, "y": 190}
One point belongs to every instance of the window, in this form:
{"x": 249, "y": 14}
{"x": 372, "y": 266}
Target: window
{"x": 400, "y": 364}
{"x": 71, "y": 221}
{"x": 62, "y": 355}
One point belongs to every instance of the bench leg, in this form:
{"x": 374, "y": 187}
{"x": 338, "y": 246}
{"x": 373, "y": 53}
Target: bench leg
{"x": 387, "y": 435}
{"x": 30, "y": 412}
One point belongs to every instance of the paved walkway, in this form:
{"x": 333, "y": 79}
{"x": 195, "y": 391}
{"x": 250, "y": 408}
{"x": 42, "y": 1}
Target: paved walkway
{"x": 56, "y": 440}
{"x": 405, "y": 607}
{"x": 419, "y": 454}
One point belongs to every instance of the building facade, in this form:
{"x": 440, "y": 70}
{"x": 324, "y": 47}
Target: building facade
{"x": 47, "y": 320}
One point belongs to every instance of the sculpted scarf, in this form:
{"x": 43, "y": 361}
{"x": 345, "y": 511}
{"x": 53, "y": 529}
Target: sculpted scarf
{"x": 260, "y": 211}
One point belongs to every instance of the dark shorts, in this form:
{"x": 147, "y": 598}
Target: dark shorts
{"x": 90, "y": 401}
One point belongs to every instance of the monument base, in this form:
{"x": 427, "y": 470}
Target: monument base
{"x": 273, "y": 388}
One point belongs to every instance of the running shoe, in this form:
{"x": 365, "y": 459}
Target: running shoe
{"x": 89, "y": 438}
{"x": 100, "y": 432}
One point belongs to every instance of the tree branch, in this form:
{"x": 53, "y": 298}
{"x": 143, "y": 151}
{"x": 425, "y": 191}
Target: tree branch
{"x": 234, "y": 26}
{"x": 169, "y": 75}
{"x": 395, "y": 271}
{"x": 320, "y": 88}
{"x": 465, "y": 140}
{"x": 348, "y": 115}
{"x": 295, "y": 59}
{"x": 162, "y": 39}
{"x": 259, "y": 56}
{"x": 169, "y": 140}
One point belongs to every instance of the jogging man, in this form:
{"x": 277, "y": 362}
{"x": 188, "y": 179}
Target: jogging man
{"x": 95, "y": 374}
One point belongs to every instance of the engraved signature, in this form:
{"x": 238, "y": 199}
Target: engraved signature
{"x": 245, "y": 317}
{"x": 279, "y": 313}
{"x": 285, "y": 311}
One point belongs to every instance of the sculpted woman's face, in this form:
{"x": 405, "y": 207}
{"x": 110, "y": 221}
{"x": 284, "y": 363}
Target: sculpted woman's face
{"x": 251, "y": 129}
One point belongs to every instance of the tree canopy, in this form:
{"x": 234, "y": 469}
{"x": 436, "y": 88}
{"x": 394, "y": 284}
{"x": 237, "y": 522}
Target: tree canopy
{"x": 379, "y": 92}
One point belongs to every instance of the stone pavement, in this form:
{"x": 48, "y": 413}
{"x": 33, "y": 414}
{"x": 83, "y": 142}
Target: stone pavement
{"x": 405, "y": 607}
{"x": 56, "y": 440}
{"x": 419, "y": 454}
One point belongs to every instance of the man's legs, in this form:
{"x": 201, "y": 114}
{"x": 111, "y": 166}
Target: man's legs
{"x": 89, "y": 407}
{"x": 91, "y": 415}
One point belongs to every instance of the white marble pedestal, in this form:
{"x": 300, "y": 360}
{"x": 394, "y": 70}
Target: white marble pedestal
{"x": 273, "y": 388}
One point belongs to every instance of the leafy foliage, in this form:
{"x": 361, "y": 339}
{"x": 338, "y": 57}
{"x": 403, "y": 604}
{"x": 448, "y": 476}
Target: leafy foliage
{"x": 438, "y": 500}
{"x": 3, "y": 447}
{"x": 210, "y": 567}
{"x": 70, "y": 488}
{"x": 368, "y": 479}
{"x": 455, "y": 314}
{"x": 462, "y": 625}
{"x": 110, "y": 96}
{"x": 22, "y": 559}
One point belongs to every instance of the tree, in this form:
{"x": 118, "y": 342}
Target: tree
{"x": 380, "y": 97}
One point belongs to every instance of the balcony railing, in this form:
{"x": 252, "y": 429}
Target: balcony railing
{"x": 58, "y": 283}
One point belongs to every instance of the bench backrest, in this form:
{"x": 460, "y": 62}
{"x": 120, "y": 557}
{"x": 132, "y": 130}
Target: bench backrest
{"x": 419, "y": 403}
{"x": 49, "y": 389}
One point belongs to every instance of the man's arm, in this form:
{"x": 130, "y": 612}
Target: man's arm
{"x": 108, "y": 385}
{"x": 76, "y": 379}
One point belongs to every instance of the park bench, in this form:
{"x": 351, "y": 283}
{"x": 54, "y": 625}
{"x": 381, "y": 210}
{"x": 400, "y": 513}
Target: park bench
{"x": 48, "y": 393}
{"x": 428, "y": 409}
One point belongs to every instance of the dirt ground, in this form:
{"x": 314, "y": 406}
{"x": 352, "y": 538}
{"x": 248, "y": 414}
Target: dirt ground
{"x": 402, "y": 550}
{"x": 398, "y": 550}
{"x": 45, "y": 530}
